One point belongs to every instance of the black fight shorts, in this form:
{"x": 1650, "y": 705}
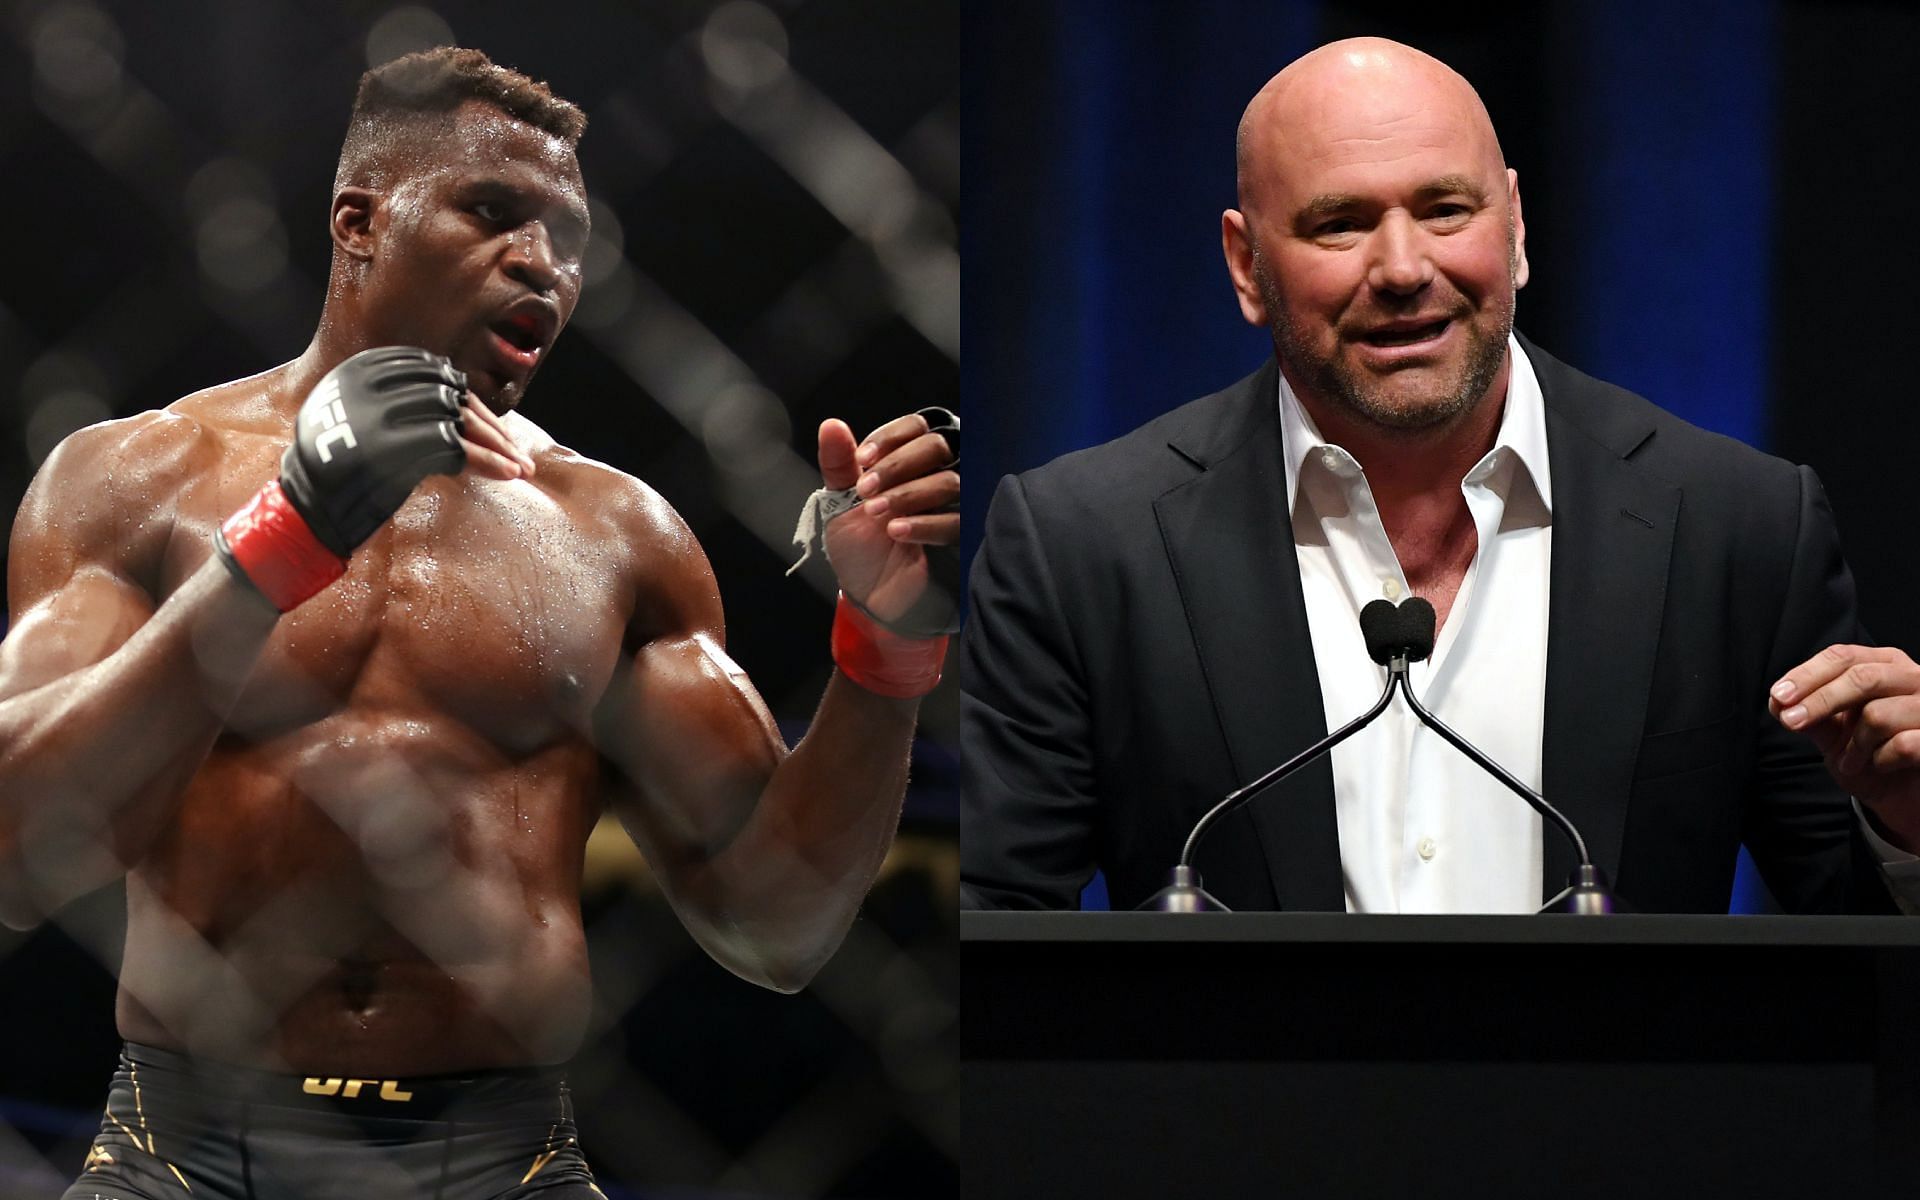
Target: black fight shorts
{"x": 180, "y": 1129}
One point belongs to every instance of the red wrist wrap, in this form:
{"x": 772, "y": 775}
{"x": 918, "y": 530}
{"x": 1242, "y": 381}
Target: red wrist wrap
{"x": 882, "y": 661}
{"x": 273, "y": 547}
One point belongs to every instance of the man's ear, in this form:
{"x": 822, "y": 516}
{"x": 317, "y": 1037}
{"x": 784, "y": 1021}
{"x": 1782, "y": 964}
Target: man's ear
{"x": 351, "y": 222}
{"x": 1236, "y": 242}
{"x": 1519, "y": 267}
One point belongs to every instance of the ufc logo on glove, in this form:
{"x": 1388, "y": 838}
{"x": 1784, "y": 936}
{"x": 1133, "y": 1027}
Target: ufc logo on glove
{"x": 329, "y": 417}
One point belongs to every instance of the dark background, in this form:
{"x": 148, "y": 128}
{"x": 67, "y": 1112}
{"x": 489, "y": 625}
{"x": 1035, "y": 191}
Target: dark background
{"x": 1717, "y": 195}
{"x": 775, "y": 190}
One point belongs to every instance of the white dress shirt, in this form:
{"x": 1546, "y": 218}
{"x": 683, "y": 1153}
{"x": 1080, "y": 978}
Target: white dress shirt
{"x": 1422, "y": 828}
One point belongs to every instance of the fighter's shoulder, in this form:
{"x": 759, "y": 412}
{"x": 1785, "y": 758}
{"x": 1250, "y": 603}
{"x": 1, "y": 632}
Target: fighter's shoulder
{"x": 672, "y": 583}
{"x": 108, "y": 492}
{"x": 596, "y": 492}
{"x": 123, "y": 461}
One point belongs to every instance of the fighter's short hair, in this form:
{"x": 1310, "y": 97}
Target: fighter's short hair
{"x": 418, "y": 93}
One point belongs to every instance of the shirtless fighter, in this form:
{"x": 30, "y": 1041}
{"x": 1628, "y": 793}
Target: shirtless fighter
{"x": 339, "y": 664}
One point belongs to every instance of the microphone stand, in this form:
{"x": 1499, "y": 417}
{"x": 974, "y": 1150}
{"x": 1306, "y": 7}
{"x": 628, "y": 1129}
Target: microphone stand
{"x": 1586, "y": 893}
{"x": 1183, "y": 892}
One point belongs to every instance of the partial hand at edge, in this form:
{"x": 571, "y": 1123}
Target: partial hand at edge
{"x": 1861, "y": 706}
{"x": 881, "y": 549}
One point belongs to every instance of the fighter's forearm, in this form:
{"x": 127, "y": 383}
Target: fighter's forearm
{"x": 90, "y": 763}
{"x": 780, "y": 896}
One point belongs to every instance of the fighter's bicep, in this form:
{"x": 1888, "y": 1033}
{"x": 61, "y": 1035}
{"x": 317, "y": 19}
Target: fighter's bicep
{"x": 77, "y": 544}
{"x": 694, "y": 741}
{"x": 75, "y": 626}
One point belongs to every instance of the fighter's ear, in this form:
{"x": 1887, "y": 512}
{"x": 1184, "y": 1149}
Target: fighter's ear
{"x": 351, "y": 221}
{"x": 1236, "y": 242}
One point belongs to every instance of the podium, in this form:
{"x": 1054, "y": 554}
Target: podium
{"x": 1228, "y": 1055}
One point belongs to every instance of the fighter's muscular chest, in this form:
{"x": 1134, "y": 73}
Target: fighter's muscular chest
{"x": 500, "y": 604}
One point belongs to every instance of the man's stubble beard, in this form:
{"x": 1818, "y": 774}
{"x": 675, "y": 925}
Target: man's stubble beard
{"x": 1334, "y": 379}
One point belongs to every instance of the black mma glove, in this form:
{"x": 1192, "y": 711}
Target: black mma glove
{"x": 368, "y": 433}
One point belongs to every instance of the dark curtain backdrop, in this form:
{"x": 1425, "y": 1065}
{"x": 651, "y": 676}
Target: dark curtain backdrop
{"x": 1716, "y": 199}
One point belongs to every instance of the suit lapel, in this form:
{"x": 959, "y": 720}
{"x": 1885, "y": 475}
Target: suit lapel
{"x": 1612, "y": 542}
{"x": 1229, "y": 539}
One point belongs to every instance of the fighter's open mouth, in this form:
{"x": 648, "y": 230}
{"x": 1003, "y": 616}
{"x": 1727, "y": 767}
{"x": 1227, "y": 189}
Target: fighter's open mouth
{"x": 522, "y": 333}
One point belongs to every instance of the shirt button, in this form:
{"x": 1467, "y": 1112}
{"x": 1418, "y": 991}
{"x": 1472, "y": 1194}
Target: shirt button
{"x": 1390, "y": 589}
{"x": 1329, "y": 459}
{"x": 1426, "y": 849}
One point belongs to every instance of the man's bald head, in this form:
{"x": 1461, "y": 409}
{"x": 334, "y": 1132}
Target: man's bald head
{"x": 1378, "y": 237}
{"x": 1365, "y": 77}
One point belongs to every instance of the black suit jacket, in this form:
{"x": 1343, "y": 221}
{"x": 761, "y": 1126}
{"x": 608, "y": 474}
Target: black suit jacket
{"x": 1137, "y": 647}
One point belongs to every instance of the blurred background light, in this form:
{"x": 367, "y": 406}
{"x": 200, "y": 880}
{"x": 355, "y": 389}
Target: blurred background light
{"x": 404, "y": 30}
{"x": 238, "y": 238}
{"x": 77, "y": 54}
{"x": 744, "y": 45}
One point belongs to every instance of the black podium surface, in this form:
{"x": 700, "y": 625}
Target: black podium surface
{"x": 1319, "y": 1054}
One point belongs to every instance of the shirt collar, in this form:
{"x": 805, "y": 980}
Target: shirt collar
{"x": 1523, "y": 429}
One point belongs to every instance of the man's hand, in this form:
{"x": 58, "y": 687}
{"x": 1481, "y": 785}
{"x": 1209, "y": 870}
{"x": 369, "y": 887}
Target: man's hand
{"x": 491, "y": 451}
{"x": 1861, "y": 707}
{"x": 909, "y": 494}
{"x": 371, "y": 430}
{"x": 368, "y": 433}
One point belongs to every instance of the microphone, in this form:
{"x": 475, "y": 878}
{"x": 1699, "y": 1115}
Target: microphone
{"x": 1398, "y": 635}
{"x": 1396, "y": 638}
{"x": 1406, "y": 631}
